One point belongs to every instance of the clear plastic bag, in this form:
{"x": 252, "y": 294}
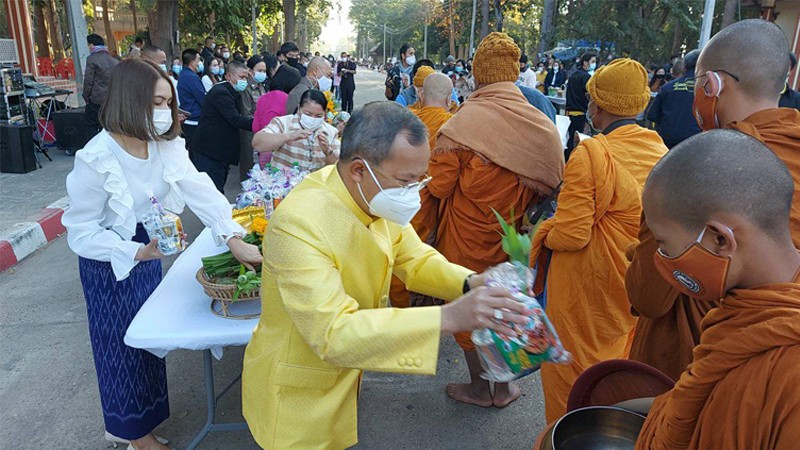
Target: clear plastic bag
{"x": 166, "y": 227}
{"x": 505, "y": 359}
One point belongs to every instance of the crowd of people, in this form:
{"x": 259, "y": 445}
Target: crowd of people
{"x": 674, "y": 247}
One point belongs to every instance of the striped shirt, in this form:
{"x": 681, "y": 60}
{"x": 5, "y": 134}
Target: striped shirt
{"x": 306, "y": 153}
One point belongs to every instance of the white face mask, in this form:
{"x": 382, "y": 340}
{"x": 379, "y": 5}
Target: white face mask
{"x": 325, "y": 84}
{"x": 398, "y": 205}
{"x": 411, "y": 60}
{"x": 310, "y": 123}
{"x": 162, "y": 120}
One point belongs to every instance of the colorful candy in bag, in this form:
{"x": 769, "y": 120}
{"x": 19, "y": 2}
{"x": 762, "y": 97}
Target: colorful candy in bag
{"x": 505, "y": 359}
{"x": 166, "y": 227}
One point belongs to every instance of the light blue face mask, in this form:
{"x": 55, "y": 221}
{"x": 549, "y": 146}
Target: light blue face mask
{"x": 260, "y": 77}
{"x": 240, "y": 85}
{"x": 176, "y": 68}
{"x": 163, "y": 67}
{"x": 592, "y": 66}
{"x": 200, "y": 68}
{"x": 215, "y": 70}
{"x": 221, "y": 71}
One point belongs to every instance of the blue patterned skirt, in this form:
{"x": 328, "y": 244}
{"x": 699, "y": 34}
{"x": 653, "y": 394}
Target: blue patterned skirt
{"x": 133, "y": 382}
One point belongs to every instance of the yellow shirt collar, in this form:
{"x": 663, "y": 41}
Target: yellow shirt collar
{"x": 336, "y": 185}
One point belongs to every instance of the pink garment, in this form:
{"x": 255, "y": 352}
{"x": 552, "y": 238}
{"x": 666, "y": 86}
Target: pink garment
{"x": 336, "y": 78}
{"x": 270, "y": 105}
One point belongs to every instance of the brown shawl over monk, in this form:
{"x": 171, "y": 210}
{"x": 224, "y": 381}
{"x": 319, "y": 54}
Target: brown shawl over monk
{"x": 426, "y": 219}
{"x": 497, "y": 152}
{"x": 669, "y": 325}
{"x": 741, "y": 391}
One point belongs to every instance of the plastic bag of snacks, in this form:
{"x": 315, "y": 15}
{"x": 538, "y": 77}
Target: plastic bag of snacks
{"x": 166, "y": 227}
{"x": 268, "y": 186}
{"x": 505, "y": 359}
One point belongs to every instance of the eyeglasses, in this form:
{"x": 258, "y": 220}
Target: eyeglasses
{"x": 414, "y": 185}
{"x": 718, "y": 70}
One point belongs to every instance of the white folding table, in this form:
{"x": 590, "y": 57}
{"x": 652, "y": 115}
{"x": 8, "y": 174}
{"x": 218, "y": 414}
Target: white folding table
{"x": 178, "y": 316}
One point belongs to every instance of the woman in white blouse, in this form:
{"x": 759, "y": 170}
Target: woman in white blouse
{"x": 137, "y": 152}
{"x": 214, "y": 72}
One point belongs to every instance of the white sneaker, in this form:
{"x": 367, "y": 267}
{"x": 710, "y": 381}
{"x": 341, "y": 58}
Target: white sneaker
{"x": 118, "y": 440}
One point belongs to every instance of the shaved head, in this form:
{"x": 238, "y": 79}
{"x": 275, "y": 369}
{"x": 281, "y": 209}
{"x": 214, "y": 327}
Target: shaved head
{"x": 437, "y": 89}
{"x": 762, "y": 70}
{"x": 318, "y": 62}
{"x": 721, "y": 171}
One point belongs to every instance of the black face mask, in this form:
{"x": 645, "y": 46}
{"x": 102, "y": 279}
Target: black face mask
{"x": 294, "y": 62}
{"x": 660, "y": 76}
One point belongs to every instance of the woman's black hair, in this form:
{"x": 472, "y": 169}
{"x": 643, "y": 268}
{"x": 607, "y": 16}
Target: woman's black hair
{"x": 285, "y": 79}
{"x": 316, "y": 96}
{"x": 271, "y": 61}
{"x": 463, "y": 63}
{"x": 207, "y": 68}
{"x": 253, "y": 61}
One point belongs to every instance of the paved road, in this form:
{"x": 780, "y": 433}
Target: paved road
{"x": 48, "y": 388}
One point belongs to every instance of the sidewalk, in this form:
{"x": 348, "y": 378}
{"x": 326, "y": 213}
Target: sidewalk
{"x": 31, "y": 205}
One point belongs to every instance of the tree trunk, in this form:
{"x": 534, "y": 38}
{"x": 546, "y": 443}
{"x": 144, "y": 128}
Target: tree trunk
{"x": 135, "y": 19}
{"x": 288, "y": 15}
{"x": 275, "y": 42}
{"x": 677, "y": 39}
{"x": 162, "y": 28}
{"x": 54, "y": 30}
{"x": 729, "y": 13}
{"x": 111, "y": 41}
{"x": 41, "y": 30}
{"x": 303, "y": 38}
{"x": 452, "y": 30}
{"x": 498, "y": 15}
{"x": 484, "y": 18}
{"x": 548, "y": 17}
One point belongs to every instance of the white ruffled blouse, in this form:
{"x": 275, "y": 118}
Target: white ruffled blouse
{"x": 102, "y": 217}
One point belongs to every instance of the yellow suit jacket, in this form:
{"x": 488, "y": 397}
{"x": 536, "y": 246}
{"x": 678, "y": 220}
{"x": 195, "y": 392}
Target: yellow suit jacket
{"x": 325, "y": 284}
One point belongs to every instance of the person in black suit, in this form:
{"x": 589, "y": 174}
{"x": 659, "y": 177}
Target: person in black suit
{"x": 215, "y": 146}
{"x": 347, "y": 72}
{"x": 556, "y": 76}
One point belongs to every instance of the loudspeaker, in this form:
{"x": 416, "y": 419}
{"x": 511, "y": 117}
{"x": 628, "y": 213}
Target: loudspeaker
{"x": 72, "y": 134}
{"x": 16, "y": 149}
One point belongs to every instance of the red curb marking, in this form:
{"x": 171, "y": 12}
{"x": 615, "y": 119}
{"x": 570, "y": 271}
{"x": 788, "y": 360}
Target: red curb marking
{"x": 51, "y": 223}
{"x": 7, "y": 256}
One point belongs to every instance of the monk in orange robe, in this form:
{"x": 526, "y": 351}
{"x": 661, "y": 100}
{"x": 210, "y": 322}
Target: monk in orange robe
{"x": 669, "y": 325}
{"x": 497, "y": 152}
{"x": 597, "y": 219}
{"x": 434, "y": 113}
{"x": 719, "y": 205}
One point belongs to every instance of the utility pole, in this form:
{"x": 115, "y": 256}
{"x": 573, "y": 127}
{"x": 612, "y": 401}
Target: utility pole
{"x": 472, "y": 32}
{"x": 708, "y": 19}
{"x": 254, "y": 47}
{"x": 80, "y": 49}
{"x": 384, "y": 43}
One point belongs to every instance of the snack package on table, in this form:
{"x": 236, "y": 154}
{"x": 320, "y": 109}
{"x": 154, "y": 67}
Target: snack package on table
{"x": 268, "y": 186}
{"x": 166, "y": 227}
{"x": 505, "y": 359}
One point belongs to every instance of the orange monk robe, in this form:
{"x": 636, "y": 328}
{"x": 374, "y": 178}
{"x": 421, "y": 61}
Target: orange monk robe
{"x": 741, "y": 390}
{"x": 668, "y": 328}
{"x": 779, "y": 129}
{"x": 426, "y": 219}
{"x": 597, "y": 219}
{"x": 497, "y": 152}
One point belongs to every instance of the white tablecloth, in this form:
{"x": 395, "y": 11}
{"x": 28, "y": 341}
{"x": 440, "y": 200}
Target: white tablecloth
{"x": 178, "y": 316}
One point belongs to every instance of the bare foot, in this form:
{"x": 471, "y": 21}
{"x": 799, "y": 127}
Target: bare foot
{"x": 505, "y": 394}
{"x": 464, "y": 393}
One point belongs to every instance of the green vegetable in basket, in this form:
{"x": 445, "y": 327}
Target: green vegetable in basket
{"x": 224, "y": 264}
{"x": 516, "y": 246}
{"x": 247, "y": 282}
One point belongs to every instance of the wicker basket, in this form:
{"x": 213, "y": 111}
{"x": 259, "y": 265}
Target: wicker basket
{"x": 222, "y": 297}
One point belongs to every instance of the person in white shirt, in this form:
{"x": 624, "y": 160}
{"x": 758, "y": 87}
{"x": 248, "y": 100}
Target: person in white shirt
{"x": 527, "y": 76}
{"x": 214, "y": 73}
{"x": 138, "y": 153}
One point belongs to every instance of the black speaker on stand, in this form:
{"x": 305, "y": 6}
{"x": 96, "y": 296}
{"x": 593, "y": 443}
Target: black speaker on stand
{"x": 16, "y": 149}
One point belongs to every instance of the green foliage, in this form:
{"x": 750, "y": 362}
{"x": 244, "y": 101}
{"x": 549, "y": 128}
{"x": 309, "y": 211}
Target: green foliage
{"x": 516, "y": 246}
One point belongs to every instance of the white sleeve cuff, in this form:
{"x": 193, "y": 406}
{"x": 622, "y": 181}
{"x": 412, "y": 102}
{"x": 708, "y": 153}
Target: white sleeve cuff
{"x": 123, "y": 258}
{"x": 225, "y": 229}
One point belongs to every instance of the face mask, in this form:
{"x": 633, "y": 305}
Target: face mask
{"x": 240, "y": 85}
{"x": 226, "y": 55}
{"x": 221, "y": 71}
{"x": 163, "y": 67}
{"x": 260, "y": 77}
{"x": 213, "y": 46}
{"x": 310, "y": 123}
{"x": 411, "y": 60}
{"x": 200, "y": 68}
{"x": 592, "y": 66}
{"x": 325, "y": 84}
{"x": 176, "y": 68}
{"x": 162, "y": 120}
{"x": 215, "y": 70}
{"x": 705, "y": 105}
{"x": 293, "y": 61}
{"x": 696, "y": 272}
{"x": 398, "y": 205}
{"x": 459, "y": 69}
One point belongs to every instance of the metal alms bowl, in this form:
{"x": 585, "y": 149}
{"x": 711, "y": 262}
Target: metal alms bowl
{"x": 597, "y": 428}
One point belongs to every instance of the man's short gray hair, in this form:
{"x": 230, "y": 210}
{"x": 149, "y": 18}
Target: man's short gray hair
{"x": 372, "y": 130}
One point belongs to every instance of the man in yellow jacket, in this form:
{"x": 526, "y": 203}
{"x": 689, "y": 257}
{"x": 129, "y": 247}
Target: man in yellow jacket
{"x": 329, "y": 254}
